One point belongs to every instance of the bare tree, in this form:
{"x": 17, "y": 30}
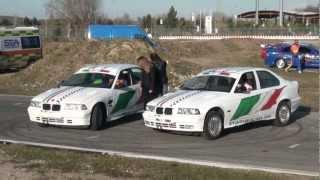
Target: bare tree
{"x": 77, "y": 14}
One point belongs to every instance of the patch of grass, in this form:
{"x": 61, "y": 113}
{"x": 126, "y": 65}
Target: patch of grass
{"x": 43, "y": 160}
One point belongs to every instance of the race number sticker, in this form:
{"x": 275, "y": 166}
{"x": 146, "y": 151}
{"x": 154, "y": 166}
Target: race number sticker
{"x": 11, "y": 44}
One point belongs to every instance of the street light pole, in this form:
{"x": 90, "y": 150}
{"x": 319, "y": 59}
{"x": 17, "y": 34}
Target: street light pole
{"x": 200, "y": 24}
{"x": 257, "y": 12}
{"x": 281, "y": 13}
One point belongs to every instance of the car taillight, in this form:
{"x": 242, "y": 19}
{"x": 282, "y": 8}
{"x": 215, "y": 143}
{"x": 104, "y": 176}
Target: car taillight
{"x": 263, "y": 53}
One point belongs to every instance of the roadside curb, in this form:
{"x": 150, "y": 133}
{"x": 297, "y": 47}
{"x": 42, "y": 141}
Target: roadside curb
{"x": 167, "y": 159}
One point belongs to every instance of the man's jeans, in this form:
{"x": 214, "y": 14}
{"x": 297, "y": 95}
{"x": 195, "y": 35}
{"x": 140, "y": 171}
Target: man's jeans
{"x": 297, "y": 62}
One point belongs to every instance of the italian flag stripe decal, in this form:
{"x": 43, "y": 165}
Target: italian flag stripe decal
{"x": 123, "y": 101}
{"x": 272, "y": 100}
{"x": 245, "y": 106}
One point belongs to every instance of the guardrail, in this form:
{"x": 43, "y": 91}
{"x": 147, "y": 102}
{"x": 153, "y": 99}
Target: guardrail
{"x": 220, "y": 37}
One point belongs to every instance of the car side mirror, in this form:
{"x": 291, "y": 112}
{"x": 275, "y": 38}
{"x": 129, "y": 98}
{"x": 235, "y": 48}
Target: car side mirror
{"x": 60, "y": 84}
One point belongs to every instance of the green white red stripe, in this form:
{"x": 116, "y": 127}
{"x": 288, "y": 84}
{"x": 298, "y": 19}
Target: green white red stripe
{"x": 273, "y": 99}
{"x": 254, "y": 102}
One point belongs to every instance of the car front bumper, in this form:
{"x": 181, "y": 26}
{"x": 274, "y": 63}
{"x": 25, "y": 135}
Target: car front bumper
{"x": 186, "y": 123}
{"x": 59, "y": 118}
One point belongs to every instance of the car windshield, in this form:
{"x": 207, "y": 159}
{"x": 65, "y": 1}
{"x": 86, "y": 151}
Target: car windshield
{"x": 209, "y": 83}
{"x": 96, "y": 80}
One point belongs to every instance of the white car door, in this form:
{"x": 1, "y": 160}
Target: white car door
{"x": 245, "y": 101}
{"x": 138, "y": 101}
{"x": 270, "y": 91}
{"x": 123, "y": 95}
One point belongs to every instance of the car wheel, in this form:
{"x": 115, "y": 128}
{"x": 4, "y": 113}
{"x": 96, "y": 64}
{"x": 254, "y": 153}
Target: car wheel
{"x": 281, "y": 64}
{"x": 97, "y": 117}
{"x": 283, "y": 114}
{"x": 213, "y": 125}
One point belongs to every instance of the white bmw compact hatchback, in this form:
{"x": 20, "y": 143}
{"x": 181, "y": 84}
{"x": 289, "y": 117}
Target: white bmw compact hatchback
{"x": 222, "y": 98}
{"x": 90, "y": 97}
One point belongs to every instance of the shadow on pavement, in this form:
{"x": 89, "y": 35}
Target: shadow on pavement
{"x": 122, "y": 121}
{"x": 302, "y": 112}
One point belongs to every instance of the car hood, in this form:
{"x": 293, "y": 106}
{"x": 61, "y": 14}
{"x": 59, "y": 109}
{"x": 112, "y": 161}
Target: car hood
{"x": 187, "y": 99}
{"x": 69, "y": 94}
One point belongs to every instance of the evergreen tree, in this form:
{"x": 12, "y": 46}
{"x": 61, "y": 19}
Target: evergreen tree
{"x": 147, "y": 21}
{"x": 171, "y": 19}
{"x": 6, "y": 22}
{"x": 27, "y": 21}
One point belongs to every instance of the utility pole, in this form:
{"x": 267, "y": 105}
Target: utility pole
{"x": 281, "y": 14}
{"x": 257, "y": 12}
{"x": 200, "y": 24}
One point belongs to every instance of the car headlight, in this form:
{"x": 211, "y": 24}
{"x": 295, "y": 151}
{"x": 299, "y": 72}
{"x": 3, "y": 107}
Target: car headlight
{"x": 188, "y": 111}
{"x": 75, "y": 107}
{"x": 150, "y": 108}
{"x": 36, "y": 104}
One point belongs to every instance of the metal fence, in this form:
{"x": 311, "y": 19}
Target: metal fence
{"x": 59, "y": 33}
{"x": 244, "y": 31}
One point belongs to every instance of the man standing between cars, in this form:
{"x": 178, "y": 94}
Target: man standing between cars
{"x": 161, "y": 82}
{"x": 295, "y": 47}
{"x": 148, "y": 79}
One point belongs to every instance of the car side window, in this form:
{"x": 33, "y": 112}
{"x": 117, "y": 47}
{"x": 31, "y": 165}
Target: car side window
{"x": 304, "y": 50}
{"x": 123, "y": 80}
{"x": 246, "y": 83}
{"x": 267, "y": 79}
{"x": 286, "y": 49}
{"x": 136, "y": 74}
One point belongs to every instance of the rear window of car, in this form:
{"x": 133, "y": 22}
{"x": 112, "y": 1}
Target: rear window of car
{"x": 267, "y": 79}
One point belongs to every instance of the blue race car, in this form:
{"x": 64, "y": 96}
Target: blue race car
{"x": 278, "y": 55}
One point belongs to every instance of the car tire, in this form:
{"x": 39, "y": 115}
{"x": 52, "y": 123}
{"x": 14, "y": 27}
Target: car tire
{"x": 97, "y": 117}
{"x": 281, "y": 64}
{"x": 283, "y": 114}
{"x": 213, "y": 125}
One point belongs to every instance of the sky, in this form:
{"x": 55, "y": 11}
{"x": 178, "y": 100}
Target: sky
{"x": 136, "y": 8}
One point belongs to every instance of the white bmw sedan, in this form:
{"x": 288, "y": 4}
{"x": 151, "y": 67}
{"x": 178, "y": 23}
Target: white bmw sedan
{"x": 92, "y": 96}
{"x": 222, "y": 98}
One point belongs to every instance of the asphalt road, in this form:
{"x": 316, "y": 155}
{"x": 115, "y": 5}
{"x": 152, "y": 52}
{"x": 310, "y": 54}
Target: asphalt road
{"x": 295, "y": 146}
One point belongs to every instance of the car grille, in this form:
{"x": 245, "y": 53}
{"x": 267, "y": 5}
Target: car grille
{"x": 48, "y": 107}
{"x": 159, "y": 110}
{"x": 55, "y": 107}
{"x": 166, "y": 111}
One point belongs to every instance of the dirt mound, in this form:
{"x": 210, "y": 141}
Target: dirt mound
{"x": 61, "y": 59}
{"x": 216, "y": 53}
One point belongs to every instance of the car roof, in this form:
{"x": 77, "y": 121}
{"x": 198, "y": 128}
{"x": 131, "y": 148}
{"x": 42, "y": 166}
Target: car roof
{"x": 233, "y": 72}
{"x": 286, "y": 44}
{"x": 112, "y": 69}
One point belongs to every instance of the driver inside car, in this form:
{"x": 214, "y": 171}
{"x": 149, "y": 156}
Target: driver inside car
{"x": 121, "y": 83}
{"x": 245, "y": 84}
